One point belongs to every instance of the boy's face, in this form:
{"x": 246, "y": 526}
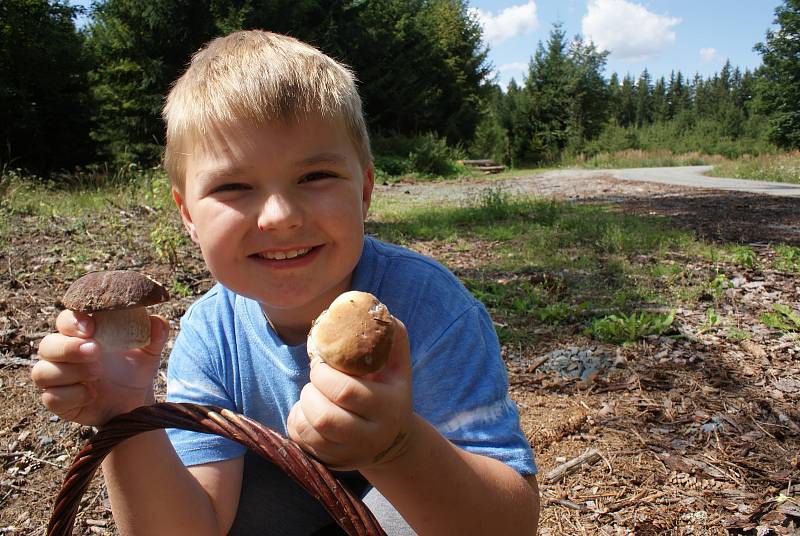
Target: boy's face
{"x": 278, "y": 212}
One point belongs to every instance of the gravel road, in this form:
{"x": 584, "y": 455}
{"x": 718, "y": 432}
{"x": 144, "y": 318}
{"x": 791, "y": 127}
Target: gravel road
{"x": 694, "y": 176}
{"x": 608, "y": 184}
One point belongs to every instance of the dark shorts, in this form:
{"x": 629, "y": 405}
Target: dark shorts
{"x": 272, "y": 504}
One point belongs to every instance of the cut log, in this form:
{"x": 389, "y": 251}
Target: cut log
{"x": 491, "y": 169}
{"x": 484, "y": 162}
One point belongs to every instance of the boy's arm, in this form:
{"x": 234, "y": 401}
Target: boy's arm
{"x": 441, "y": 489}
{"x": 152, "y": 492}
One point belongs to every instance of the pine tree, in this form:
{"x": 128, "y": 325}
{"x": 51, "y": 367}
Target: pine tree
{"x": 627, "y": 108}
{"x": 588, "y": 91}
{"x": 779, "y": 85}
{"x": 44, "y": 105}
{"x": 549, "y": 75}
{"x": 644, "y": 99}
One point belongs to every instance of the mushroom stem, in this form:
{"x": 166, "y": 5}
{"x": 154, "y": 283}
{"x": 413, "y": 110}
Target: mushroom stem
{"x": 124, "y": 329}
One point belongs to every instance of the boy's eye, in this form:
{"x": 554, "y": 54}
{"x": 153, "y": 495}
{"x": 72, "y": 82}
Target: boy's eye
{"x": 317, "y": 175}
{"x": 230, "y": 187}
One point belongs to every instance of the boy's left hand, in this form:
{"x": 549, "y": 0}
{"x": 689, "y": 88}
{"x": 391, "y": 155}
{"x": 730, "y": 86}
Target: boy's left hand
{"x": 351, "y": 422}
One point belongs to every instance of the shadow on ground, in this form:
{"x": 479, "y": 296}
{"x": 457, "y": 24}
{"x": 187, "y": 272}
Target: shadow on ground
{"x": 736, "y": 217}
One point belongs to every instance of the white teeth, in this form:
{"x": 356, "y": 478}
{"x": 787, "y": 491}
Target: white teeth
{"x": 280, "y": 255}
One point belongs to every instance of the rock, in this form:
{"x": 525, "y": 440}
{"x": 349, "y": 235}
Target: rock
{"x": 754, "y": 349}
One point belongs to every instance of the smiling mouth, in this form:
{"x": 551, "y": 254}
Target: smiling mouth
{"x": 282, "y": 255}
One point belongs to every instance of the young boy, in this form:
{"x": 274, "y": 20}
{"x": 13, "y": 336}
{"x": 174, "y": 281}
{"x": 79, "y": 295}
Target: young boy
{"x": 269, "y": 158}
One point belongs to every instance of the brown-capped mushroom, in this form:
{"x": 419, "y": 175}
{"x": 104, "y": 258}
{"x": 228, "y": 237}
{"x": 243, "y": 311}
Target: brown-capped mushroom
{"x": 117, "y": 301}
{"x": 353, "y": 335}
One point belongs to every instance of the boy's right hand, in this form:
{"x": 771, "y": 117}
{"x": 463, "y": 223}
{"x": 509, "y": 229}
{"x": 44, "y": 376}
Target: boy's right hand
{"x": 82, "y": 383}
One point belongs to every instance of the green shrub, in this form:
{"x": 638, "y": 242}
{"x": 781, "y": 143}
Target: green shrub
{"x": 784, "y": 318}
{"x": 427, "y": 155}
{"x": 627, "y": 329}
{"x": 490, "y": 140}
{"x": 744, "y": 256}
{"x": 166, "y": 241}
{"x": 787, "y": 258}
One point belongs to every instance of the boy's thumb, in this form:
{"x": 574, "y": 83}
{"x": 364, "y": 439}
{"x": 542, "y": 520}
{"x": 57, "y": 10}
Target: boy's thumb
{"x": 399, "y": 362}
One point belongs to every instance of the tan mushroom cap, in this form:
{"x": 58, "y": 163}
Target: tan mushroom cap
{"x": 354, "y": 334}
{"x": 113, "y": 290}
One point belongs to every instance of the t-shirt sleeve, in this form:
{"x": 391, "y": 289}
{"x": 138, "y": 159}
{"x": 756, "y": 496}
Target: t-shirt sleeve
{"x": 461, "y": 387}
{"x": 195, "y": 374}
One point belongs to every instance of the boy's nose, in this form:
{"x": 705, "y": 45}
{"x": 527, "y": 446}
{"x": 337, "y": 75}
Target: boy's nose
{"x": 279, "y": 212}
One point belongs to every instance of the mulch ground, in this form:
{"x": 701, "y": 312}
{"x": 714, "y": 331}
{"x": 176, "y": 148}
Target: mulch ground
{"x": 697, "y": 435}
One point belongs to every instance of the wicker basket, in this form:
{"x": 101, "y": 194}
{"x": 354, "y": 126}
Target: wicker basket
{"x": 345, "y": 508}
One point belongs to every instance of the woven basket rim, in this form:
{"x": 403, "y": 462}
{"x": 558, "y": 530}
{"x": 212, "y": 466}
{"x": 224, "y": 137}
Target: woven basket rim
{"x": 346, "y": 509}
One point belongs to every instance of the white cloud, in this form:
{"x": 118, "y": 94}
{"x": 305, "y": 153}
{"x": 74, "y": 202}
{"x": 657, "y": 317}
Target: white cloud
{"x": 510, "y": 22}
{"x": 627, "y": 29}
{"x": 708, "y": 54}
{"x": 521, "y": 67}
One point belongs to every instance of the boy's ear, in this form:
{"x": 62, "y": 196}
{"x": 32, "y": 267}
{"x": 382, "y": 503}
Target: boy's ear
{"x": 185, "y": 216}
{"x": 366, "y": 193}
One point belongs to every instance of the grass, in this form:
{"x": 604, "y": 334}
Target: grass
{"x": 780, "y": 167}
{"x": 87, "y": 208}
{"x": 632, "y": 158}
{"x": 538, "y": 263}
{"x": 81, "y": 195}
{"x": 787, "y": 258}
{"x": 783, "y": 167}
{"x": 627, "y": 329}
{"x": 782, "y": 318}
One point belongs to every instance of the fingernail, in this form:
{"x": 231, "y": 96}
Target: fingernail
{"x": 88, "y": 348}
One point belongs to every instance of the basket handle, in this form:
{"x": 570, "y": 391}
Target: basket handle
{"x": 344, "y": 507}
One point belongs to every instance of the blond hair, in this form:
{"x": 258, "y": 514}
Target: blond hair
{"x": 259, "y": 77}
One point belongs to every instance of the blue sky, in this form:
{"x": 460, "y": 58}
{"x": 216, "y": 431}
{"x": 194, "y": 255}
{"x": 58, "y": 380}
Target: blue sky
{"x": 693, "y": 36}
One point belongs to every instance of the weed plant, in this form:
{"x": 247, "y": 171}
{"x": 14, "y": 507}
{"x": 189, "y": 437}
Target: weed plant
{"x": 641, "y": 158}
{"x": 628, "y": 329}
{"x": 782, "y": 317}
{"x": 787, "y": 258}
{"x": 781, "y": 167}
{"x": 560, "y": 264}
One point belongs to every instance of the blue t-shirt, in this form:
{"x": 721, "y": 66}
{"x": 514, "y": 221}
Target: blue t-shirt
{"x": 228, "y": 355}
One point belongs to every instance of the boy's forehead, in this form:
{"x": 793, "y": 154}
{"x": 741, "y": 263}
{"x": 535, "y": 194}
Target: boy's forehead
{"x": 325, "y": 138}
{"x": 231, "y": 151}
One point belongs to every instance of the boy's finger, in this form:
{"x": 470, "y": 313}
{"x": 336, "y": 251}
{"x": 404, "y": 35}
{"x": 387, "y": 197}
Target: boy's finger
{"x": 67, "y": 398}
{"x": 330, "y": 421}
{"x": 345, "y": 391}
{"x": 46, "y": 374}
{"x": 310, "y": 440}
{"x": 64, "y": 349}
{"x": 75, "y": 324}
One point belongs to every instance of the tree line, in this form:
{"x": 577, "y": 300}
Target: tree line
{"x": 565, "y": 104}
{"x": 73, "y": 96}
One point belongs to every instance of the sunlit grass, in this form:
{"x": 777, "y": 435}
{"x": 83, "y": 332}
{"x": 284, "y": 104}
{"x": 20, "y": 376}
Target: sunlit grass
{"x": 536, "y": 263}
{"x": 631, "y": 158}
{"x": 77, "y": 195}
{"x": 784, "y": 167}
{"x": 550, "y": 263}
